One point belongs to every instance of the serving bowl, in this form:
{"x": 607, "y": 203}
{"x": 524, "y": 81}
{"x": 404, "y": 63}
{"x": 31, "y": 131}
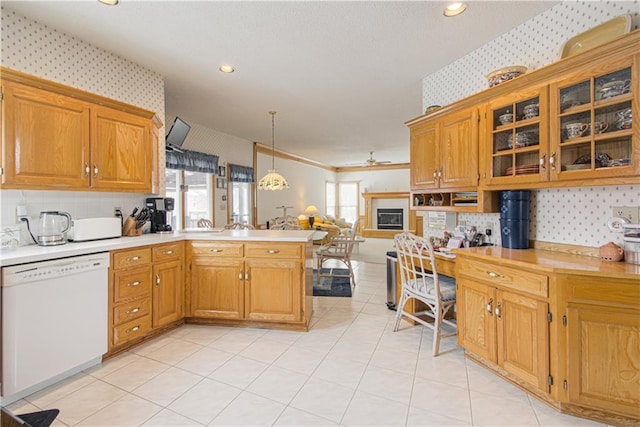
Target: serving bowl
{"x": 504, "y": 74}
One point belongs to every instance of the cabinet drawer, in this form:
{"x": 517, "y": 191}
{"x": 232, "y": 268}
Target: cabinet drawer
{"x": 133, "y": 310}
{"x": 131, "y": 330}
{"x": 125, "y": 259}
{"x": 129, "y": 284}
{"x": 272, "y": 250}
{"x": 602, "y": 291}
{"x": 167, "y": 252}
{"x": 217, "y": 249}
{"x": 506, "y": 277}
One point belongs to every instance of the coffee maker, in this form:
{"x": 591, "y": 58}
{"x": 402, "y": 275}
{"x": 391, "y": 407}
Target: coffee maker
{"x": 160, "y": 209}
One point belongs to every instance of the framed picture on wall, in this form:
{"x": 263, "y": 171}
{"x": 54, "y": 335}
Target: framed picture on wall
{"x": 222, "y": 171}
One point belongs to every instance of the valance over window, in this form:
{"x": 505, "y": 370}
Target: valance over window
{"x": 192, "y": 161}
{"x": 239, "y": 173}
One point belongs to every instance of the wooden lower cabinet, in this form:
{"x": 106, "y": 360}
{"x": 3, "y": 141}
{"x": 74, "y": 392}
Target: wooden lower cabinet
{"x": 567, "y": 333}
{"x": 168, "y": 284}
{"x": 273, "y": 290}
{"x": 247, "y": 282}
{"x": 217, "y": 289}
{"x": 504, "y": 328}
{"x": 146, "y": 292}
{"x": 603, "y": 347}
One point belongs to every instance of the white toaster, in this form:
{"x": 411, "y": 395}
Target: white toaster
{"x": 86, "y": 229}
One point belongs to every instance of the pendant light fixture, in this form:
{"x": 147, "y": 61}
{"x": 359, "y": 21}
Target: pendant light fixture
{"x": 273, "y": 180}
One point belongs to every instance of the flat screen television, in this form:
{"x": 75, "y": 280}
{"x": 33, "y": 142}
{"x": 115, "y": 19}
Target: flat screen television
{"x": 178, "y": 133}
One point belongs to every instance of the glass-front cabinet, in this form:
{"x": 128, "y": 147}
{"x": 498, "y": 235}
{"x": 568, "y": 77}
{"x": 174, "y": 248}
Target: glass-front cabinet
{"x": 592, "y": 124}
{"x": 517, "y": 138}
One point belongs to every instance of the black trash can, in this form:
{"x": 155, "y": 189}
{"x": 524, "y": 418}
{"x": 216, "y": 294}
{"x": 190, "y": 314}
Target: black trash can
{"x": 392, "y": 282}
{"x": 514, "y": 218}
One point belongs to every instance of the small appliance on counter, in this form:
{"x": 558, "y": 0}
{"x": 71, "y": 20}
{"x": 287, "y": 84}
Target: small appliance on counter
{"x": 86, "y": 229}
{"x": 160, "y": 209}
{"x": 52, "y": 228}
{"x": 631, "y": 238}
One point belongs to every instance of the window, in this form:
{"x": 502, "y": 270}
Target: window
{"x": 197, "y": 197}
{"x": 330, "y": 199}
{"x": 193, "y": 193}
{"x": 241, "y": 202}
{"x": 348, "y": 198}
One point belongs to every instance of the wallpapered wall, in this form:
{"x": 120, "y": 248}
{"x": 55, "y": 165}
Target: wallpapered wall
{"x": 571, "y": 215}
{"x": 39, "y": 50}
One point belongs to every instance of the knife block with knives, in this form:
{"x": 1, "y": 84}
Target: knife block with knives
{"x": 129, "y": 227}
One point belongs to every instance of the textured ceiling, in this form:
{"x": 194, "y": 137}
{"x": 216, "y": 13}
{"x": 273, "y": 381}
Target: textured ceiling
{"x": 343, "y": 76}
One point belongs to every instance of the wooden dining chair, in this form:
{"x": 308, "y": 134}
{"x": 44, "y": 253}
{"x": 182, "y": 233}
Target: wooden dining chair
{"x": 340, "y": 249}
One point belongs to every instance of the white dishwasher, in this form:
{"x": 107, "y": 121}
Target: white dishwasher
{"x": 54, "y": 321}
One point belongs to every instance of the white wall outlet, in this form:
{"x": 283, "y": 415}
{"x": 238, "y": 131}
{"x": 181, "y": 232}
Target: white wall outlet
{"x": 630, "y": 213}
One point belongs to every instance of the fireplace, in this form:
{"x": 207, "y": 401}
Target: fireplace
{"x": 390, "y": 219}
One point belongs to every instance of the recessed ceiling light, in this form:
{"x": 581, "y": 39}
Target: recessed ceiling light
{"x": 109, "y": 2}
{"x": 227, "y": 69}
{"x": 454, "y": 9}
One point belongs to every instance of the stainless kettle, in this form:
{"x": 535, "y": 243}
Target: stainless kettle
{"x": 53, "y": 225}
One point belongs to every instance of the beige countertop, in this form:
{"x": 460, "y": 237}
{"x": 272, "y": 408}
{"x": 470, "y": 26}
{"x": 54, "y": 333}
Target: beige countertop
{"x": 34, "y": 253}
{"x": 545, "y": 261}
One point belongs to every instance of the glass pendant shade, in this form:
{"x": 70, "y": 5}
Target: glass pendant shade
{"x": 273, "y": 180}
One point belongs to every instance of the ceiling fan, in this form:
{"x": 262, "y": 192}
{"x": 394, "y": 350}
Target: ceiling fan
{"x": 371, "y": 161}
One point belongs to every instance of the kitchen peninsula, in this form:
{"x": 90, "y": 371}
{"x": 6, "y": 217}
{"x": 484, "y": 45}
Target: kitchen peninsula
{"x": 260, "y": 278}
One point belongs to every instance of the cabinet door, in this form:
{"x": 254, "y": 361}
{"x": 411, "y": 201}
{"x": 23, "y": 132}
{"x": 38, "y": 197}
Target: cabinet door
{"x": 523, "y": 338}
{"x": 217, "y": 288}
{"x": 46, "y": 139}
{"x": 594, "y": 129}
{"x": 476, "y": 321}
{"x": 121, "y": 152}
{"x": 458, "y": 150}
{"x": 516, "y": 149}
{"x": 168, "y": 291}
{"x": 273, "y": 290}
{"x": 424, "y": 161}
{"x": 603, "y": 358}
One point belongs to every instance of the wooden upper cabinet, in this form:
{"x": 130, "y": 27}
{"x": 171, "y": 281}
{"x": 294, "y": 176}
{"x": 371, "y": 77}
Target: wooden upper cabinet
{"x": 58, "y": 137}
{"x": 458, "y": 150}
{"x": 424, "y": 163}
{"x": 46, "y": 139}
{"x": 444, "y": 152}
{"x": 594, "y": 125}
{"x": 121, "y": 152}
{"x": 516, "y": 147}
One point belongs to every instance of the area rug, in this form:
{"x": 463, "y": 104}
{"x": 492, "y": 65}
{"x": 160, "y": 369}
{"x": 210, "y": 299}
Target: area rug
{"x": 332, "y": 286}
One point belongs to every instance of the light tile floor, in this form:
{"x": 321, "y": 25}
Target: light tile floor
{"x": 350, "y": 369}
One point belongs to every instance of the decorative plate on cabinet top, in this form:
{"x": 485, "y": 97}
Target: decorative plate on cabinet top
{"x": 597, "y": 35}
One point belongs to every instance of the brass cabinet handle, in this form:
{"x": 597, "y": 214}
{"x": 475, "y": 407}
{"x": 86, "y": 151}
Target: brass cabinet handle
{"x": 498, "y": 313}
{"x": 157, "y": 279}
{"x": 543, "y": 161}
{"x": 489, "y": 307}
{"x": 134, "y": 329}
{"x": 215, "y": 251}
{"x": 167, "y": 252}
{"x": 552, "y": 160}
{"x": 492, "y": 274}
{"x": 133, "y": 310}
{"x": 435, "y": 174}
{"x": 273, "y": 251}
{"x": 87, "y": 170}
{"x": 134, "y": 258}
{"x": 246, "y": 275}
{"x": 136, "y": 283}
{"x": 440, "y": 174}
{"x": 241, "y": 274}
{"x": 95, "y": 170}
